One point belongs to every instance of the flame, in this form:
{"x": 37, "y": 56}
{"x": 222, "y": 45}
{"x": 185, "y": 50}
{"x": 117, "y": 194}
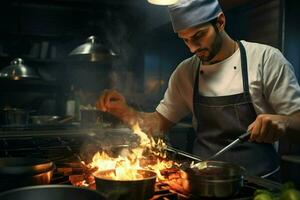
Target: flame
{"x": 126, "y": 167}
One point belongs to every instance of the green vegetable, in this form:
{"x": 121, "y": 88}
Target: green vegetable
{"x": 290, "y": 194}
{"x": 263, "y": 196}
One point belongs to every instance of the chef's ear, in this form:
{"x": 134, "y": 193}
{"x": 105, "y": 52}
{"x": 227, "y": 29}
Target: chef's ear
{"x": 221, "y": 22}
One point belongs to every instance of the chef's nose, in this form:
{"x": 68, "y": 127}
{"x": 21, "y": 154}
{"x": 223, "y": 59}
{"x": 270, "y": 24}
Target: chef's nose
{"x": 192, "y": 46}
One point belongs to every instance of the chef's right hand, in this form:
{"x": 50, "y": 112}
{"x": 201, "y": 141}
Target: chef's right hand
{"x": 113, "y": 102}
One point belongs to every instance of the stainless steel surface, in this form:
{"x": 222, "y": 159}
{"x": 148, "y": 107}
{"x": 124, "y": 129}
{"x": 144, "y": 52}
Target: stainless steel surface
{"x": 140, "y": 189}
{"x": 18, "y": 70}
{"x": 92, "y": 51}
{"x": 242, "y": 138}
{"x": 52, "y": 192}
{"x": 216, "y": 179}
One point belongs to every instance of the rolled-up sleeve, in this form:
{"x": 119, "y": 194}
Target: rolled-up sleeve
{"x": 281, "y": 85}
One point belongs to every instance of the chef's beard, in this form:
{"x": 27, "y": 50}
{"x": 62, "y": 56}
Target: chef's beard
{"x": 215, "y": 48}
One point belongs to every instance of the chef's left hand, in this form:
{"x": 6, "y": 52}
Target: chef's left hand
{"x": 268, "y": 128}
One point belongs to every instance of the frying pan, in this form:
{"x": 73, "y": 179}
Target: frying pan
{"x": 20, "y": 171}
{"x": 52, "y": 192}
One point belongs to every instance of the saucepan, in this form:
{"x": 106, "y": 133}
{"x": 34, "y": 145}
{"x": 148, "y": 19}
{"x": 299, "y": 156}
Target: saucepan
{"x": 14, "y": 116}
{"x": 214, "y": 179}
{"x": 138, "y": 189}
{"x": 21, "y": 171}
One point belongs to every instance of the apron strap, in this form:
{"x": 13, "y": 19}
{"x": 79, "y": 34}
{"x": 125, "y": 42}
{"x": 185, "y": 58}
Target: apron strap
{"x": 244, "y": 66}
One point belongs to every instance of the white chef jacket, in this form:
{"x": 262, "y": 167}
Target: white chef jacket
{"x": 273, "y": 86}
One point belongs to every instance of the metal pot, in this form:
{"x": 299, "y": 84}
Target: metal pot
{"x": 127, "y": 189}
{"x": 13, "y": 116}
{"x": 214, "y": 179}
{"x": 50, "y": 192}
{"x": 18, "y": 172}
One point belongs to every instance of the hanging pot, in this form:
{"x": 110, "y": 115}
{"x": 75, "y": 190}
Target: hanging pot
{"x": 18, "y": 70}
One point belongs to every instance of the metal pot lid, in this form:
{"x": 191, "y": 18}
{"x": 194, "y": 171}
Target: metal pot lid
{"x": 92, "y": 51}
{"x": 18, "y": 70}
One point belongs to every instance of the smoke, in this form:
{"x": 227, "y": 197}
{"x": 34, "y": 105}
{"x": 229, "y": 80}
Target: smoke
{"x": 120, "y": 33}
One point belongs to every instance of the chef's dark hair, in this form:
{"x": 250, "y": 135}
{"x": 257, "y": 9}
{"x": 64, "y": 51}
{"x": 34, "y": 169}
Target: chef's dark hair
{"x": 213, "y": 22}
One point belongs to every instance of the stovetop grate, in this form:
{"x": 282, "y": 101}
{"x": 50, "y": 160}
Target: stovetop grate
{"x": 64, "y": 151}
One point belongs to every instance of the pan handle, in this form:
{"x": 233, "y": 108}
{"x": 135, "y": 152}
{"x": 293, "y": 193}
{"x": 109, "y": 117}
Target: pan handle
{"x": 245, "y": 136}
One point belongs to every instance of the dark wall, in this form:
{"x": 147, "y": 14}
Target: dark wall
{"x": 291, "y": 48}
{"x": 44, "y": 32}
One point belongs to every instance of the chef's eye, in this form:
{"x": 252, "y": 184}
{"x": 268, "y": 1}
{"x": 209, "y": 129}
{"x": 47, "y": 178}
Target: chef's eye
{"x": 198, "y": 35}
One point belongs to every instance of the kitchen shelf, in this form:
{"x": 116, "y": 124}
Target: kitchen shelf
{"x": 11, "y": 86}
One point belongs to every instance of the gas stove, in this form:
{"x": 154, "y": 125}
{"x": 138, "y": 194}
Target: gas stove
{"x": 68, "y": 148}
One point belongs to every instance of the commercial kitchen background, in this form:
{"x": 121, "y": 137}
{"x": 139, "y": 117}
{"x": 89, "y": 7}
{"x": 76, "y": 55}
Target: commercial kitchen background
{"x": 43, "y": 32}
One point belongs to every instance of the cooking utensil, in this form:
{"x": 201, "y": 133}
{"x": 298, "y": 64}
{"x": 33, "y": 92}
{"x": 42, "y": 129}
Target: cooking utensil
{"x": 183, "y": 153}
{"x": 214, "y": 179}
{"x": 20, "y": 171}
{"x": 240, "y": 139}
{"x": 139, "y": 189}
{"x": 14, "y": 117}
{"x": 51, "y": 192}
{"x": 18, "y": 70}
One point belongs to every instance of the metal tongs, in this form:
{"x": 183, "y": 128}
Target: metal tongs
{"x": 240, "y": 139}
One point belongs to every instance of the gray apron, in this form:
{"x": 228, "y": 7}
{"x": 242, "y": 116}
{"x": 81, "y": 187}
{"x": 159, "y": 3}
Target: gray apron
{"x": 222, "y": 119}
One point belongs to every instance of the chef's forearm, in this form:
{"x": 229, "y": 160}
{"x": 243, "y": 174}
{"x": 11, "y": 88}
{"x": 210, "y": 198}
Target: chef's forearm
{"x": 152, "y": 123}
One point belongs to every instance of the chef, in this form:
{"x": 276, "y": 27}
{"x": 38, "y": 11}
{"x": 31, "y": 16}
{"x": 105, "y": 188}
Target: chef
{"x": 229, "y": 86}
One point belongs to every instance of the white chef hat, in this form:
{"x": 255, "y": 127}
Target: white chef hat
{"x": 188, "y": 13}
